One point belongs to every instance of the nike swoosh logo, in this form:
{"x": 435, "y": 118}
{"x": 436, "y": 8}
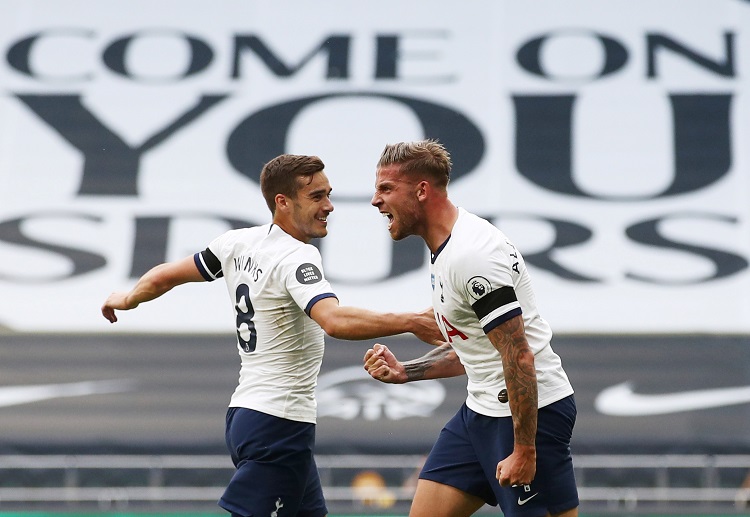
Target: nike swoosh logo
{"x": 17, "y": 395}
{"x": 621, "y": 400}
{"x": 522, "y": 502}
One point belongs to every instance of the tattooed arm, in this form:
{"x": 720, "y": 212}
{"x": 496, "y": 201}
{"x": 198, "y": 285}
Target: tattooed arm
{"x": 520, "y": 378}
{"x": 441, "y": 362}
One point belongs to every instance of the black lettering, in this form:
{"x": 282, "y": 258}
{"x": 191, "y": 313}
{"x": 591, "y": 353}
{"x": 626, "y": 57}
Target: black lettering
{"x": 82, "y": 261}
{"x": 150, "y": 241}
{"x": 263, "y": 135}
{"x": 647, "y": 232}
{"x": 19, "y": 54}
{"x": 386, "y": 57}
{"x": 389, "y": 54}
{"x": 110, "y": 165}
{"x": 657, "y": 42}
{"x": 566, "y": 234}
{"x": 152, "y": 236}
{"x": 407, "y": 255}
{"x": 115, "y": 54}
{"x": 544, "y": 141}
{"x": 336, "y": 46}
{"x": 529, "y": 54}
{"x": 702, "y": 149}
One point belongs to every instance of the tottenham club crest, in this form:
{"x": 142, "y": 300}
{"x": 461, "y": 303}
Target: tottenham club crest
{"x": 478, "y": 286}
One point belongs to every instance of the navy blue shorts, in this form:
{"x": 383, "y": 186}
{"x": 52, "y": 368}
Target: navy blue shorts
{"x": 470, "y": 446}
{"x": 276, "y": 471}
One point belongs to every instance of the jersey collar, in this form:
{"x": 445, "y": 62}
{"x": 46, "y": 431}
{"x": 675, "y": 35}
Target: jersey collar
{"x": 434, "y": 256}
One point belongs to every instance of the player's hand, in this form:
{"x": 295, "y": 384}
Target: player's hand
{"x": 519, "y": 468}
{"x": 426, "y": 328}
{"x": 382, "y": 365}
{"x": 115, "y": 301}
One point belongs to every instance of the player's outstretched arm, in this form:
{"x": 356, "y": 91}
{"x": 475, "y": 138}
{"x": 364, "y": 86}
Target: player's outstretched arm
{"x": 154, "y": 283}
{"x": 439, "y": 363}
{"x": 356, "y": 324}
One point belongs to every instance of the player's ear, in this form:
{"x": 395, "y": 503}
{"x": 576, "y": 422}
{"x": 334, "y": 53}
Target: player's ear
{"x": 281, "y": 202}
{"x": 423, "y": 188}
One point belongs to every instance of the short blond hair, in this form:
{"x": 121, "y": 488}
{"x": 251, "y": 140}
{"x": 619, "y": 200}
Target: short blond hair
{"x": 425, "y": 156}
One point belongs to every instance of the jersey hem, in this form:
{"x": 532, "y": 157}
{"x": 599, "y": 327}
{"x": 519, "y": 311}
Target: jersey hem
{"x": 278, "y": 414}
{"x": 546, "y": 401}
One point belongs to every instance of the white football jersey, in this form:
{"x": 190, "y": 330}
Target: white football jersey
{"x": 273, "y": 281}
{"x": 479, "y": 280}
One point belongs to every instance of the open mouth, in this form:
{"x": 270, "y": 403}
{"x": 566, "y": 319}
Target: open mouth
{"x": 389, "y": 218}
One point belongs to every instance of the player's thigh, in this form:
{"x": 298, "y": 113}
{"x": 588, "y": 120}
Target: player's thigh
{"x": 555, "y": 473}
{"x": 275, "y": 466}
{"x": 455, "y": 460}
{"x": 437, "y": 500}
{"x": 553, "y": 488}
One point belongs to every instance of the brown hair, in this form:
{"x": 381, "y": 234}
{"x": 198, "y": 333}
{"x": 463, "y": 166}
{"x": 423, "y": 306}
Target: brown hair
{"x": 282, "y": 175}
{"x": 426, "y": 156}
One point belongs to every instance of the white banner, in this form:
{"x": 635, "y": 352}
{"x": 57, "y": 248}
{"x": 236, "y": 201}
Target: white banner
{"x": 607, "y": 139}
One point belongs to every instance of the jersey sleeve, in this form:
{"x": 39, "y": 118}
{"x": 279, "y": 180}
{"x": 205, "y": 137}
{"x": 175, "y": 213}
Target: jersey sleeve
{"x": 486, "y": 275}
{"x": 208, "y": 261}
{"x": 303, "y": 273}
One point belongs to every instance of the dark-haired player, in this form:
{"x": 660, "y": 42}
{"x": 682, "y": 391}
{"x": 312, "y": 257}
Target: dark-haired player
{"x": 282, "y": 306}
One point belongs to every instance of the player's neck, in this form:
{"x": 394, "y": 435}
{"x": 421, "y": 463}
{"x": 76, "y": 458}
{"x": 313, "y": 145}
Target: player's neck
{"x": 441, "y": 217}
{"x": 291, "y": 230}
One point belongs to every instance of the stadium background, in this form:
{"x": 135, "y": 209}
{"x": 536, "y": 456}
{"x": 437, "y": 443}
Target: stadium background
{"x": 608, "y": 139}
